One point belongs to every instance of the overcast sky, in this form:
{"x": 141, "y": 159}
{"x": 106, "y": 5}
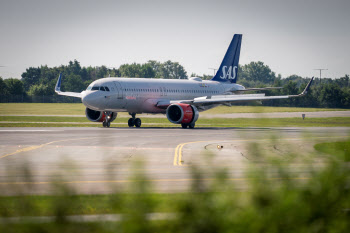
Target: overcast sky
{"x": 292, "y": 37}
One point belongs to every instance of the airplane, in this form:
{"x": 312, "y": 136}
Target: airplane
{"x": 181, "y": 100}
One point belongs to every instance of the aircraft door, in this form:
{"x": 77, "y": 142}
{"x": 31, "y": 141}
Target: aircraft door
{"x": 118, "y": 100}
{"x": 164, "y": 92}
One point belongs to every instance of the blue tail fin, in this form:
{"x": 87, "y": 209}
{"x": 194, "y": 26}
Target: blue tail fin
{"x": 228, "y": 71}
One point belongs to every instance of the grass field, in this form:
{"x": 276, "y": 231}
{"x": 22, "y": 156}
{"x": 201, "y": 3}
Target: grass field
{"x": 32, "y": 118}
{"x": 79, "y": 109}
{"x": 339, "y": 149}
{"x": 40, "y": 121}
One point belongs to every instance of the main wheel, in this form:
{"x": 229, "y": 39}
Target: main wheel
{"x": 184, "y": 126}
{"x": 191, "y": 126}
{"x": 138, "y": 122}
{"x": 131, "y": 122}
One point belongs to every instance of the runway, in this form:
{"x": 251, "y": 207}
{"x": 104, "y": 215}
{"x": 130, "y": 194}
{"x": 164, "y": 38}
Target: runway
{"x": 100, "y": 160}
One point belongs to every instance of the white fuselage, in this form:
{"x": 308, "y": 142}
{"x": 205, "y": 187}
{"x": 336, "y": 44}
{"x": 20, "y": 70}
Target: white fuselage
{"x": 141, "y": 95}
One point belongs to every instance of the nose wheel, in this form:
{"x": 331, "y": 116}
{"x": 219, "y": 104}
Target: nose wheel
{"x": 107, "y": 122}
{"x": 191, "y": 126}
{"x": 134, "y": 121}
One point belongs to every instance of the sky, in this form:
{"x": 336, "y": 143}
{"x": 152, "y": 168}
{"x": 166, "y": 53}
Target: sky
{"x": 291, "y": 37}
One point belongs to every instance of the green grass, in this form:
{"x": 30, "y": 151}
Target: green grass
{"x": 42, "y": 109}
{"x": 39, "y": 121}
{"x": 79, "y": 109}
{"x": 338, "y": 149}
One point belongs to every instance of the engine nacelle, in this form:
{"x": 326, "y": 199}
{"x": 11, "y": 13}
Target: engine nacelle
{"x": 98, "y": 116}
{"x": 182, "y": 113}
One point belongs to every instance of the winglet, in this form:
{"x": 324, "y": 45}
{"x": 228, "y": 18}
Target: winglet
{"x": 307, "y": 87}
{"x": 58, "y": 84}
{"x": 305, "y": 90}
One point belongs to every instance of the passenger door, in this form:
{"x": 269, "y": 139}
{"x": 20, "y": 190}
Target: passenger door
{"x": 118, "y": 99}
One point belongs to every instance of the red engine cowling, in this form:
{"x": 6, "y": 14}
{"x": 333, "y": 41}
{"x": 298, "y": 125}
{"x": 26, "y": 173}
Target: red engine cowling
{"x": 98, "y": 116}
{"x": 182, "y": 113}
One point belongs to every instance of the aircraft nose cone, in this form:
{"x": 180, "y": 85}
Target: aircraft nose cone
{"x": 89, "y": 101}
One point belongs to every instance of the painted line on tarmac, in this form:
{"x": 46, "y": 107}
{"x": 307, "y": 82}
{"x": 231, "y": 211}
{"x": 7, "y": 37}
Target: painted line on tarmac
{"x": 40, "y": 146}
{"x": 178, "y": 161}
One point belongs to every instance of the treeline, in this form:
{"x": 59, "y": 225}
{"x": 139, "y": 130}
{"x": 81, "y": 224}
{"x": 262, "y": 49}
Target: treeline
{"x": 37, "y": 83}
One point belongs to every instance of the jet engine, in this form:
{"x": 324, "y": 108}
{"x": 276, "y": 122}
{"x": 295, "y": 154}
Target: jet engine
{"x": 184, "y": 114}
{"x": 97, "y": 116}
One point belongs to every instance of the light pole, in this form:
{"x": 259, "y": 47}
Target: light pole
{"x": 320, "y": 73}
{"x": 213, "y": 70}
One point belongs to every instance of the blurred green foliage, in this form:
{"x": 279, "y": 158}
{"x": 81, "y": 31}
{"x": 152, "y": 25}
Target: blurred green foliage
{"x": 275, "y": 200}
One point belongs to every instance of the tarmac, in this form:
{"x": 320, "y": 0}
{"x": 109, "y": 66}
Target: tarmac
{"x": 319, "y": 114}
{"x": 103, "y": 160}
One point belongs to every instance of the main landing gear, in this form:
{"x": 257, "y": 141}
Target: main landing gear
{"x": 107, "y": 120}
{"x": 191, "y": 126}
{"x": 134, "y": 121}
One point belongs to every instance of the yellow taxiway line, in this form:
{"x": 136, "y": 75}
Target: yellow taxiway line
{"x": 178, "y": 151}
{"x": 40, "y": 146}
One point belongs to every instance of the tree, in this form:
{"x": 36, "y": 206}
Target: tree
{"x": 73, "y": 83}
{"x": 155, "y": 66}
{"x": 343, "y": 82}
{"x": 102, "y": 72}
{"x": 74, "y": 67}
{"x": 130, "y": 70}
{"x": 257, "y": 71}
{"x": 3, "y": 87}
{"x": 14, "y": 86}
{"x": 147, "y": 71}
{"x": 31, "y": 76}
{"x": 331, "y": 96}
{"x": 172, "y": 70}
{"x": 40, "y": 90}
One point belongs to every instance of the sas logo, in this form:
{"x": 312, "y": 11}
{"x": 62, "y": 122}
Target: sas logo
{"x": 229, "y": 73}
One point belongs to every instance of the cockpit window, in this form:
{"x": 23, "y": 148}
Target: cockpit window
{"x": 96, "y": 88}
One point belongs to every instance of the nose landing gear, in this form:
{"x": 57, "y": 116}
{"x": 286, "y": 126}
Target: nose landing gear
{"x": 134, "y": 121}
{"x": 107, "y": 120}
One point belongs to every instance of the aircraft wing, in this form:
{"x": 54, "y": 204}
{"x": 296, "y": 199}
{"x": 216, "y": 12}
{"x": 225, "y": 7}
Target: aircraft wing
{"x": 58, "y": 89}
{"x": 228, "y": 99}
